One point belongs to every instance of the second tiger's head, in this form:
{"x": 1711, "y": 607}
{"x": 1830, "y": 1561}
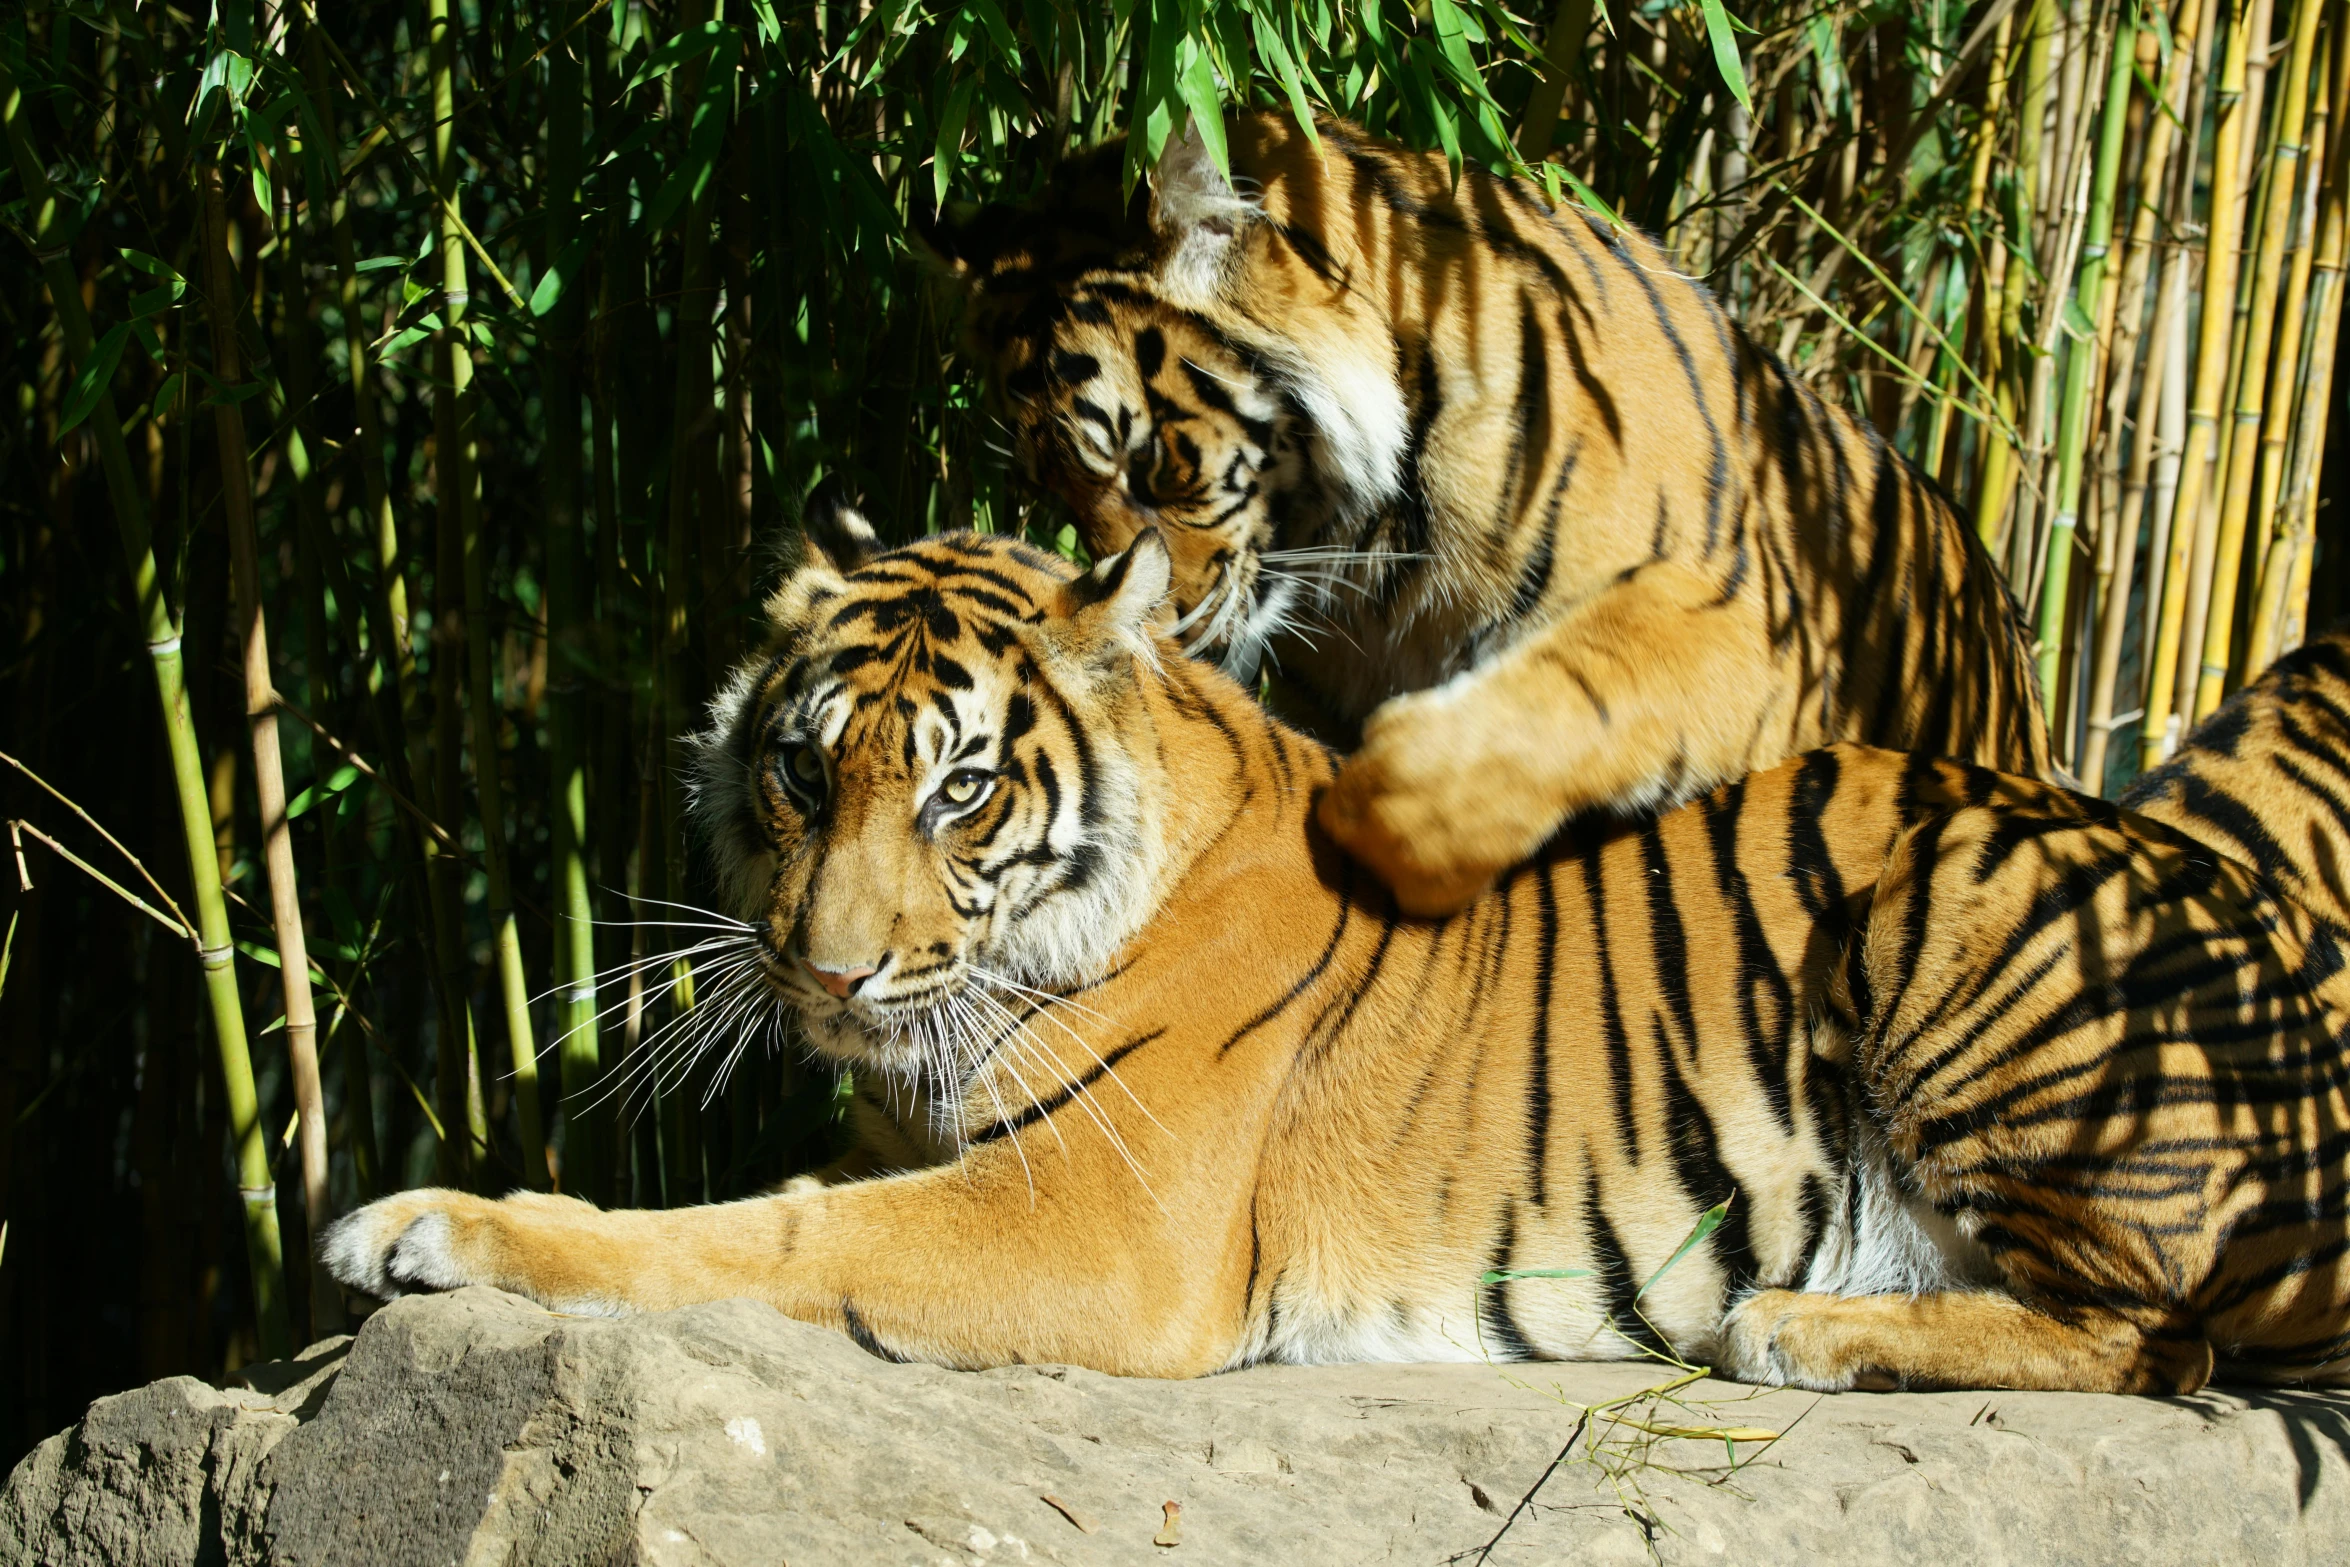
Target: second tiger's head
{"x": 1142, "y": 399}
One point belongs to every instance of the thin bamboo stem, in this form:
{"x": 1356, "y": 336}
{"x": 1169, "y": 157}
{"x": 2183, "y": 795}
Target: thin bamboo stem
{"x": 2081, "y": 364}
{"x": 585, "y": 1166}
{"x": 457, "y": 1076}
{"x": 269, "y": 780}
{"x": 2268, "y": 527}
{"x": 53, "y": 224}
{"x": 2327, "y": 286}
{"x": 2004, "y": 343}
{"x": 2159, "y": 734}
{"x": 2236, "y": 499}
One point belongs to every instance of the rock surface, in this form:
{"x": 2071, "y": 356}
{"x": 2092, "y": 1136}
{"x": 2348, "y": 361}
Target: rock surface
{"x": 475, "y": 1428}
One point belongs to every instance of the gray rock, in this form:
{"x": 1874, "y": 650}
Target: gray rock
{"x": 475, "y": 1428}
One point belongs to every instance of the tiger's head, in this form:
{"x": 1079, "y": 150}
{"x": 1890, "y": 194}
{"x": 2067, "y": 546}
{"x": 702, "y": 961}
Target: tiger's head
{"x": 920, "y": 795}
{"x": 1166, "y": 361}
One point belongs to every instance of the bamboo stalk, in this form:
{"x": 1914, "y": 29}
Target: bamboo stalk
{"x": 1991, "y": 281}
{"x": 2001, "y": 459}
{"x": 2081, "y": 365}
{"x": 2207, "y": 519}
{"x": 52, "y": 239}
{"x": 2236, "y": 499}
{"x": 2269, "y": 529}
{"x": 2326, "y": 288}
{"x": 2159, "y": 734}
{"x": 584, "y": 1162}
{"x": 1570, "y": 26}
{"x": 693, "y": 422}
{"x": 269, "y": 781}
{"x": 457, "y": 1075}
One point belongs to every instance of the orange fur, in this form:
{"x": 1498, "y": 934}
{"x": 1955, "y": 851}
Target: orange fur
{"x": 2000, "y": 1085}
{"x": 1407, "y": 435}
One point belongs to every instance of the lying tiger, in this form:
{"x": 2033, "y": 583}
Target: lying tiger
{"x": 1494, "y": 483}
{"x": 2002, "y": 1086}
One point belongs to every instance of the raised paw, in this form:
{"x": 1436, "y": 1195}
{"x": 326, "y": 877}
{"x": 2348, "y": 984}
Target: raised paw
{"x": 1444, "y": 795}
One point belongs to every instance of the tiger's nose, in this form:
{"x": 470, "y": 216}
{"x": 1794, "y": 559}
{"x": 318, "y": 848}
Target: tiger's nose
{"x": 840, "y": 982}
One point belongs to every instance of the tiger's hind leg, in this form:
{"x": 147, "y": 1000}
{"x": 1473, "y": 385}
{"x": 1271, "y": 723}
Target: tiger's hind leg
{"x": 1832, "y": 1343}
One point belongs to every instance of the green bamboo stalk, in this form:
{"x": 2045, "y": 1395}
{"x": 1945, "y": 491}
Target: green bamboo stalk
{"x": 2251, "y": 398}
{"x": 53, "y": 227}
{"x": 2000, "y": 458}
{"x": 1977, "y": 187}
{"x": 2080, "y": 371}
{"x": 457, "y": 1076}
{"x": 269, "y": 779}
{"x": 585, "y": 1166}
{"x": 2158, "y": 734}
{"x": 388, "y": 609}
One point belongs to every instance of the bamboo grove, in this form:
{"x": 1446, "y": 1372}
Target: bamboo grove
{"x": 412, "y": 397}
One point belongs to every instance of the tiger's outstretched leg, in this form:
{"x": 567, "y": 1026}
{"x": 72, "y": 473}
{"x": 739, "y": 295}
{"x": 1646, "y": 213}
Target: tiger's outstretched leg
{"x": 1957, "y": 1339}
{"x": 955, "y": 1265}
{"x": 1653, "y": 690}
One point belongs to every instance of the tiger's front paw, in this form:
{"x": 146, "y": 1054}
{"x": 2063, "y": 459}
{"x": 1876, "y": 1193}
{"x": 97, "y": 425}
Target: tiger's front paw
{"x": 1443, "y": 796}
{"x": 420, "y": 1240}
{"x": 1790, "y": 1338}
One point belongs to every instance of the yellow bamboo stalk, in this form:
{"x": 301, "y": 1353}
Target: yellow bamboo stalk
{"x": 2327, "y": 287}
{"x": 2112, "y": 619}
{"x": 269, "y": 778}
{"x": 2211, "y": 367}
{"x": 2269, "y": 527}
{"x": 2284, "y": 166}
{"x": 2207, "y": 519}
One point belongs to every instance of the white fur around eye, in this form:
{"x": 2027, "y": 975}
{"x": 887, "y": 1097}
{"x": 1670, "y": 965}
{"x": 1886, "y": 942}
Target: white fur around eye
{"x": 1095, "y": 448}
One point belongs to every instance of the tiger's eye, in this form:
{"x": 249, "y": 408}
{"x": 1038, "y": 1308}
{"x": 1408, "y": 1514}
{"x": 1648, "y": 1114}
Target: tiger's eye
{"x": 963, "y": 788}
{"x": 805, "y": 765}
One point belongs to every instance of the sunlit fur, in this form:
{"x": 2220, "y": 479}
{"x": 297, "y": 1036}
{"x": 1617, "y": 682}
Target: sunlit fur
{"x": 2001, "y": 1086}
{"x": 1433, "y": 445}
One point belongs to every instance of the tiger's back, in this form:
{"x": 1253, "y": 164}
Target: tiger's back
{"x": 1406, "y": 435}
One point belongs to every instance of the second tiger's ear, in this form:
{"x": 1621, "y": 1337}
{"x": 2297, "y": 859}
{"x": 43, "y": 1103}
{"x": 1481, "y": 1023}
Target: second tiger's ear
{"x": 1196, "y": 213}
{"x": 837, "y": 534}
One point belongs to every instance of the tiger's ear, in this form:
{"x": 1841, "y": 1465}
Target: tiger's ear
{"x": 1196, "y": 213}
{"x": 835, "y": 540}
{"x": 1109, "y": 611}
{"x": 837, "y": 534}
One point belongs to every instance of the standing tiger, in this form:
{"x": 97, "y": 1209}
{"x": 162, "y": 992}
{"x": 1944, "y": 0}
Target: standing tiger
{"x": 2001, "y": 1086}
{"x": 1493, "y": 483}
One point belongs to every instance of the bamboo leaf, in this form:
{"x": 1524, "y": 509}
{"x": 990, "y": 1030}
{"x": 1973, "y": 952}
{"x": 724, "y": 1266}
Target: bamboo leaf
{"x": 157, "y": 300}
{"x": 151, "y": 265}
{"x": 1505, "y": 1275}
{"x": 1725, "y": 43}
{"x": 549, "y": 291}
{"x": 97, "y": 374}
{"x": 948, "y": 150}
{"x": 676, "y": 52}
{"x": 1198, "y": 84}
{"x": 1707, "y": 1222}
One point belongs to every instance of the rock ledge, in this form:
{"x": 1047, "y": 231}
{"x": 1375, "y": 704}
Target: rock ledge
{"x": 476, "y": 1428}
